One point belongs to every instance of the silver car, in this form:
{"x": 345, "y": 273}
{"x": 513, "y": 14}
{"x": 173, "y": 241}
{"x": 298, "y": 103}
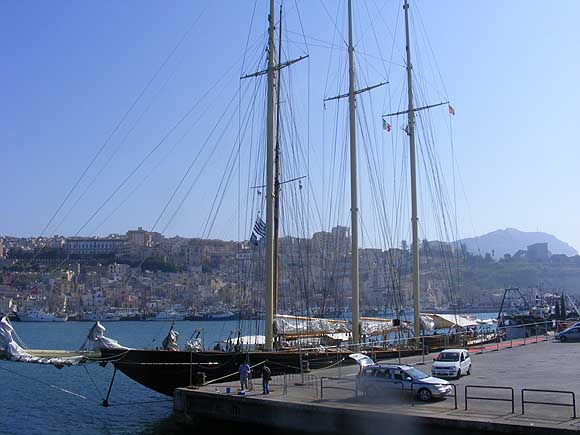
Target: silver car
{"x": 379, "y": 379}
{"x": 572, "y": 333}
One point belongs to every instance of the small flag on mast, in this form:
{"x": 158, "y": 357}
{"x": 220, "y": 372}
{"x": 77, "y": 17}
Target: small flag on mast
{"x": 260, "y": 227}
{"x": 258, "y": 231}
{"x": 386, "y": 125}
{"x": 451, "y": 110}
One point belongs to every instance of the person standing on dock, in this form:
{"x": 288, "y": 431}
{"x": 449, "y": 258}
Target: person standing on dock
{"x": 245, "y": 371}
{"x": 266, "y": 376}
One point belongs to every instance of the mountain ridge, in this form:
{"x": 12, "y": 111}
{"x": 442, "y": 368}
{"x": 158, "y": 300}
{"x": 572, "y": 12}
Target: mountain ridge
{"x": 510, "y": 240}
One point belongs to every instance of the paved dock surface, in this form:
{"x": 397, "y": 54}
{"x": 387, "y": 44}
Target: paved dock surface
{"x": 543, "y": 365}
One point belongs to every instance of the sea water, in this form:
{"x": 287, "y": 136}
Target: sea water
{"x": 39, "y": 399}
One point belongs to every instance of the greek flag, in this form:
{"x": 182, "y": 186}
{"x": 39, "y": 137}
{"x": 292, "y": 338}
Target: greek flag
{"x": 260, "y": 227}
{"x": 259, "y": 231}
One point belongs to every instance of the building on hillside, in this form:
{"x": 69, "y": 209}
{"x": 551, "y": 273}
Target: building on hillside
{"x": 93, "y": 245}
{"x": 118, "y": 271}
{"x": 538, "y": 251}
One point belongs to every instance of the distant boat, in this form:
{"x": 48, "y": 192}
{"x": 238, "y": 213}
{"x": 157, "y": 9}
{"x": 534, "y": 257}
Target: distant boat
{"x": 41, "y": 316}
{"x": 169, "y": 314}
{"x": 220, "y": 315}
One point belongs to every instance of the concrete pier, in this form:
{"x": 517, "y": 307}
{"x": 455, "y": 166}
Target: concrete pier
{"x": 326, "y": 401}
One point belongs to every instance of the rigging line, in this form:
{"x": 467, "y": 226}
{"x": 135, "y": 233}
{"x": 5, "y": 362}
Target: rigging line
{"x": 416, "y": 7}
{"x": 40, "y": 381}
{"x": 149, "y": 154}
{"x": 190, "y": 167}
{"x": 118, "y": 125}
{"x": 93, "y": 380}
{"x": 248, "y": 37}
{"x": 334, "y": 33}
{"x": 163, "y": 159}
{"x": 301, "y": 27}
{"x": 97, "y": 175}
{"x": 207, "y": 160}
{"x": 333, "y": 22}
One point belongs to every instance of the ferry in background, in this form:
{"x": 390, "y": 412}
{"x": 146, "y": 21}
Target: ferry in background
{"x": 41, "y": 316}
{"x": 171, "y": 314}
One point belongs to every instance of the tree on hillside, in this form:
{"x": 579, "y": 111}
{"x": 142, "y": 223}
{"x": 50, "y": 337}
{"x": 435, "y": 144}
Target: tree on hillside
{"x": 563, "y": 310}
{"x": 557, "y": 312}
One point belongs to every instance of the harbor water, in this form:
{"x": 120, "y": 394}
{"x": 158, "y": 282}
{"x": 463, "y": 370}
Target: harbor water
{"x": 39, "y": 399}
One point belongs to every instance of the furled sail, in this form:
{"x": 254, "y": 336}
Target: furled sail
{"x": 170, "y": 342}
{"x": 12, "y": 351}
{"x": 377, "y": 326}
{"x": 96, "y": 339}
{"x": 300, "y": 326}
{"x": 427, "y": 322}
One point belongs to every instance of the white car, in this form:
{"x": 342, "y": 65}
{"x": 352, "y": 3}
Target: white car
{"x": 451, "y": 363}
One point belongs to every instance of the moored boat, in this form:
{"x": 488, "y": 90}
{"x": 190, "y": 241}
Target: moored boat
{"x": 41, "y": 316}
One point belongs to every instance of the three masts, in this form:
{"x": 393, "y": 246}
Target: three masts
{"x": 272, "y": 183}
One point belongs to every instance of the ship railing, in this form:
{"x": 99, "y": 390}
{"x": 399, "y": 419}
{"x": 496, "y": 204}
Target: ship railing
{"x": 492, "y": 338}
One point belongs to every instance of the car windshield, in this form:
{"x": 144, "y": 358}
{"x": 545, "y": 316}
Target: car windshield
{"x": 448, "y": 356}
{"x": 416, "y": 374}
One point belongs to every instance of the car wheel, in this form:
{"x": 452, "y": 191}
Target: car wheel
{"x": 469, "y": 370}
{"x": 563, "y": 338}
{"x": 424, "y": 394}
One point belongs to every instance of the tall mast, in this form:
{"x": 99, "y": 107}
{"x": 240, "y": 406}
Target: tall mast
{"x": 269, "y": 284}
{"x": 414, "y": 218}
{"x": 353, "y": 186}
{"x": 277, "y": 171}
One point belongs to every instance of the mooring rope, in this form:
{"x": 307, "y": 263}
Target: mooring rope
{"x": 40, "y": 381}
{"x": 94, "y": 382}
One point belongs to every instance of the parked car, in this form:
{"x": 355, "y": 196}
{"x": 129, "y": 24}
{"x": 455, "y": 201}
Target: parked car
{"x": 381, "y": 379}
{"x": 572, "y": 333}
{"x": 451, "y": 363}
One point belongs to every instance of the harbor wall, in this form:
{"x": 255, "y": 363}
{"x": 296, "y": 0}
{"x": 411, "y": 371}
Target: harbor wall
{"x": 315, "y": 418}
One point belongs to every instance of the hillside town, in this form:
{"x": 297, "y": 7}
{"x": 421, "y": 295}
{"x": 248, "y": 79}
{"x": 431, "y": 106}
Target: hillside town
{"x": 142, "y": 274}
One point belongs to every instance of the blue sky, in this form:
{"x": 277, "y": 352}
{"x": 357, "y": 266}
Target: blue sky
{"x": 71, "y": 70}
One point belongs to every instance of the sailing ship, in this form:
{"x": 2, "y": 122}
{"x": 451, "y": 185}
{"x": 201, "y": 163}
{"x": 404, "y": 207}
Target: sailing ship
{"x": 287, "y": 341}
{"x": 290, "y": 344}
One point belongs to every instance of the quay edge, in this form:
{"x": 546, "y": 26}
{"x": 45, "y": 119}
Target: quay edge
{"x": 200, "y": 406}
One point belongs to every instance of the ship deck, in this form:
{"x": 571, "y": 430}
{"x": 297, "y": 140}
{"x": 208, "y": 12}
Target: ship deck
{"x": 325, "y": 401}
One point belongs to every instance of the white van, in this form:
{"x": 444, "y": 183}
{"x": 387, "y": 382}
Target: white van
{"x": 451, "y": 363}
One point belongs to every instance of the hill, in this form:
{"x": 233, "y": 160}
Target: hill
{"x": 511, "y": 240}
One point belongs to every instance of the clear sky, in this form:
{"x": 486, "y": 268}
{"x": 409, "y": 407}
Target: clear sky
{"x": 71, "y": 70}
